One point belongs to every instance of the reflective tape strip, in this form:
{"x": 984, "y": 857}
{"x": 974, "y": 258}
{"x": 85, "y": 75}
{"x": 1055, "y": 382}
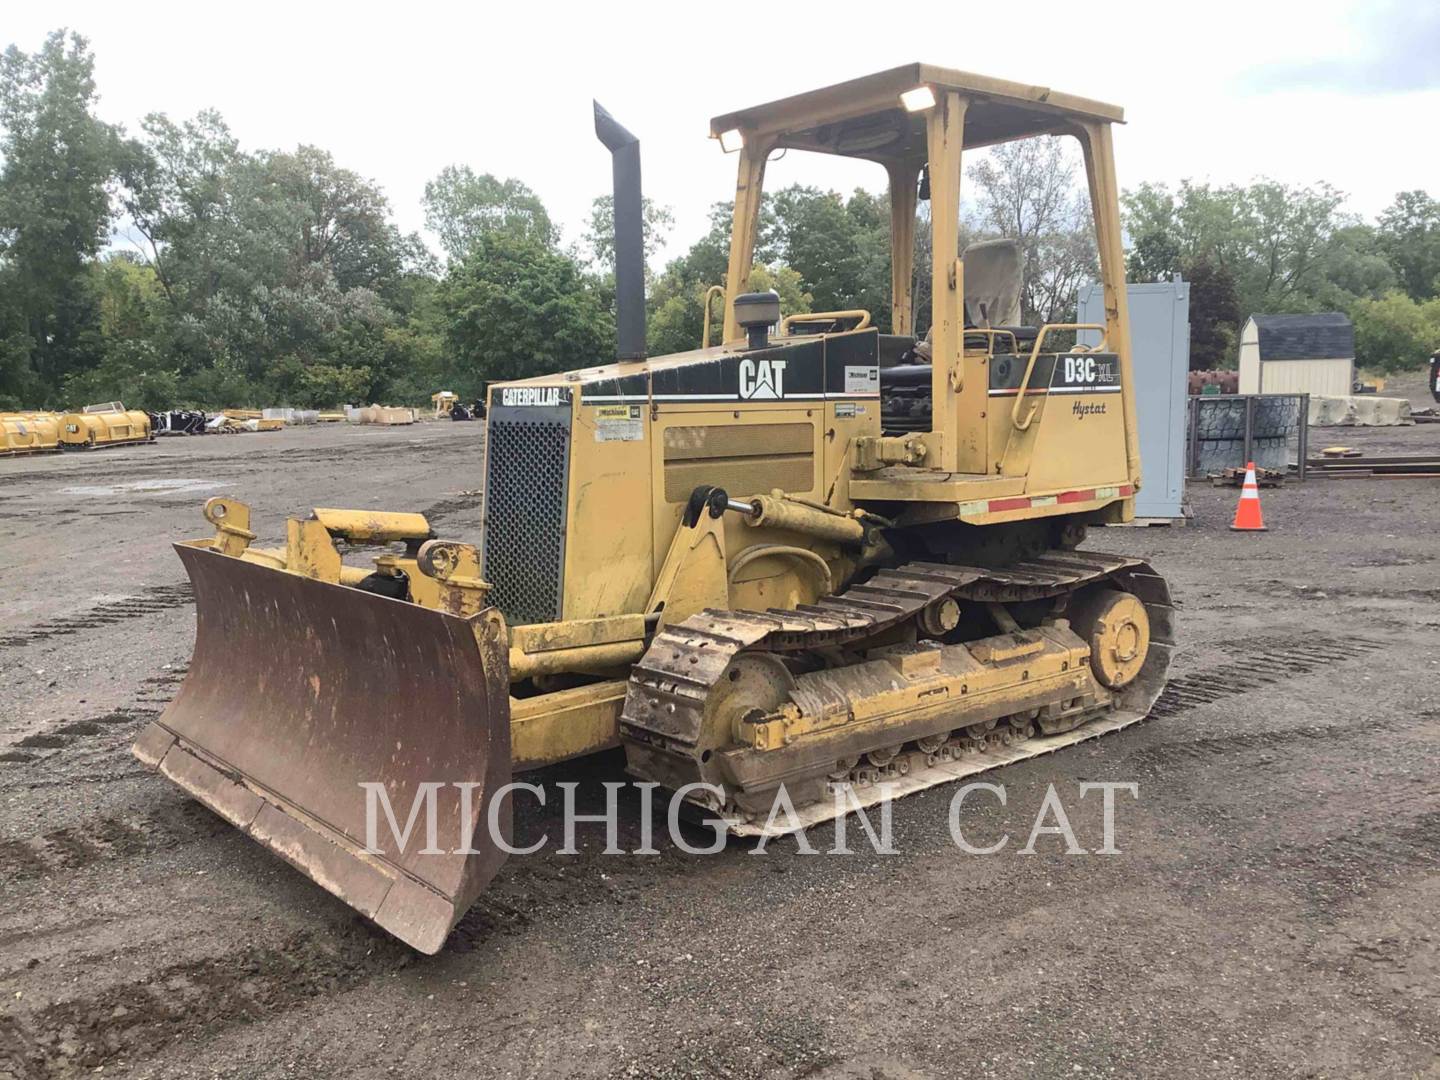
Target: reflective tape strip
{"x": 1027, "y": 502}
{"x": 997, "y": 505}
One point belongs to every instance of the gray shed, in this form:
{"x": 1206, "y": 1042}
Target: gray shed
{"x": 1297, "y": 354}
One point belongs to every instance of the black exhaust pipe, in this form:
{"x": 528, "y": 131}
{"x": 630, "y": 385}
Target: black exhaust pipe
{"x": 629, "y": 236}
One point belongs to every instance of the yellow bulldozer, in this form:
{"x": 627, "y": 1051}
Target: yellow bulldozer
{"x": 815, "y": 559}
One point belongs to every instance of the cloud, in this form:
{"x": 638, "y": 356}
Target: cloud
{"x": 1391, "y": 50}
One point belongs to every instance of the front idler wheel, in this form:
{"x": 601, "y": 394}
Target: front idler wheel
{"x": 1117, "y": 628}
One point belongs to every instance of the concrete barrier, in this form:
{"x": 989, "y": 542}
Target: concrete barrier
{"x": 1359, "y": 410}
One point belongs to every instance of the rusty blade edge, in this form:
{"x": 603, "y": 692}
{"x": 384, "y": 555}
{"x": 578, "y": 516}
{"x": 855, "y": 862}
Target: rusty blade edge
{"x": 247, "y": 614}
{"x": 363, "y": 881}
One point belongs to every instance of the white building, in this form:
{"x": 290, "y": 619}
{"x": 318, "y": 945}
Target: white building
{"x": 1297, "y": 354}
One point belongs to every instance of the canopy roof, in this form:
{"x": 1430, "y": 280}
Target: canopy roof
{"x": 864, "y": 117}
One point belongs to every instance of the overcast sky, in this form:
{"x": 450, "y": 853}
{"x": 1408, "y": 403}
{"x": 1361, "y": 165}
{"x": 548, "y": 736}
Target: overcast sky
{"x": 1219, "y": 90}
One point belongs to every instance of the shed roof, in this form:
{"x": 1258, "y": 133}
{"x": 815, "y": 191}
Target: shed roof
{"x": 1325, "y": 335}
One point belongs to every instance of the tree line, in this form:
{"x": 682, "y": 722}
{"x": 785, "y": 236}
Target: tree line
{"x": 173, "y": 267}
{"x": 1267, "y": 248}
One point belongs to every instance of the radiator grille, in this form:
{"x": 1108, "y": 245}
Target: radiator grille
{"x": 525, "y": 496}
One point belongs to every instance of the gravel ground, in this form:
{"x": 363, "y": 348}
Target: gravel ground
{"x": 1274, "y": 910}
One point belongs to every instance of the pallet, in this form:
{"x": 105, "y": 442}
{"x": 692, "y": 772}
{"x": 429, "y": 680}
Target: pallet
{"x": 1265, "y": 478}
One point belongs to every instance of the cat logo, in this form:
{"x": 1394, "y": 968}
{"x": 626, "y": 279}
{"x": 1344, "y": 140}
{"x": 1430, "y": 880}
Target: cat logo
{"x": 762, "y": 378}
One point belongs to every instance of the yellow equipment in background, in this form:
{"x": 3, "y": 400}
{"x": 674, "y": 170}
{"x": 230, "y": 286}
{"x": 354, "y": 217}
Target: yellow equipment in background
{"x": 25, "y": 433}
{"x": 108, "y": 424}
{"x": 811, "y": 558}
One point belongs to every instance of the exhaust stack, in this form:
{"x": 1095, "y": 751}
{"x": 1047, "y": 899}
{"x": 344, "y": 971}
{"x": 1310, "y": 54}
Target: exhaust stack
{"x": 629, "y": 236}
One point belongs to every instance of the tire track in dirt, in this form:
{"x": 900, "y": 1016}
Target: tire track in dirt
{"x": 1285, "y": 591}
{"x": 185, "y": 1001}
{"x": 1210, "y": 748}
{"x": 28, "y": 750}
{"x": 159, "y": 598}
{"x": 546, "y": 887}
{"x": 149, "y": 601}
{"x": 153, "y": 695}
{"x": 106, "y": 839}
{"x": 452, "y": 505}
{"x": 1260, "y": 662}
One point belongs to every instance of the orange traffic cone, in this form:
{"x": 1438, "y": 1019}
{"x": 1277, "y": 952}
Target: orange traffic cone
{"x": 1247, "y": 512}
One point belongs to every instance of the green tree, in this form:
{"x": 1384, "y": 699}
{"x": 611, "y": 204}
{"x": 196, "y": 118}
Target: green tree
{"x": 1154, "y": 232}
{"x": 271, "y": 264}
{"x": 708, "y": 259}
{"x": 1352, "y": 265}
{"x": 462, "y": 206}
{"x": 341, "y": 221}
{"x": 1275, "y": 240}
{"x": 922, "y": 296}
{"x": 1166, "y": 227}
{"x": 676, "y": 324}
{"x": 1267, "y": 247}
{"x": 599, "y": 239}
{"x": 132, "y": 367}
{"x": 514, "y": 308}
{"x": 130, "y": 297}
{"x": 59, "y": 159}
{"x": 782, "y": 280}
{"x": 178, "y": 195}
{"x": 1027, "y": 191}
{"x": 840, "y": 247}
{"x": 1409, "y": 235}
{"x": 1214, "y": 313}
{"x": 674, "y": 297}
{"x": 1395, "y": 333}
{"x": 1290, "y": 229}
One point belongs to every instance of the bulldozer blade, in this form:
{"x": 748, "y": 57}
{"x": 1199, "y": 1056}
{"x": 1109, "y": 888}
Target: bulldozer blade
{"x": 307, "y": 701}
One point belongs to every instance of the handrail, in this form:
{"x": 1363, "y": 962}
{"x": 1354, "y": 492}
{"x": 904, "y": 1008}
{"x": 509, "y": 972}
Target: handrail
{"x": 826, "y": 316}
{"x": 1030, "y": 366}
{"x": 713, "y": 290}
{"x": 990, "y": 333}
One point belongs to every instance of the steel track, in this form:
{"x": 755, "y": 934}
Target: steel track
{"x": 664, "y": 712}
